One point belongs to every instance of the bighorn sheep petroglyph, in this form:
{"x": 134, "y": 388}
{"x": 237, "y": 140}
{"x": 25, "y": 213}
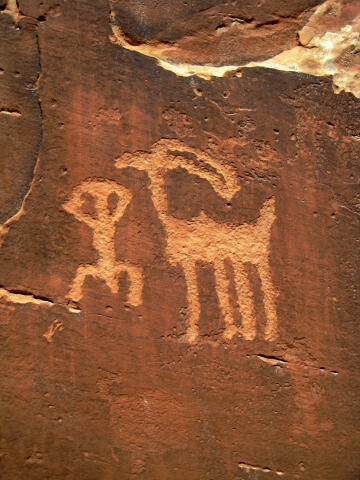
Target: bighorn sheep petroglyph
{"x": 203, "y": 239}
{"x": 103, "y": 223}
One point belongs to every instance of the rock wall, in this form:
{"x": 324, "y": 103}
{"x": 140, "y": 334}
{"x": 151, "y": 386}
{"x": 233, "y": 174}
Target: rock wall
{"x": 179, "y": 240}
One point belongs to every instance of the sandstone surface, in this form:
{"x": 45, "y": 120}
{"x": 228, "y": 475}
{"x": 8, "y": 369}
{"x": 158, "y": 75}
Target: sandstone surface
{"x": 179, "y": 240}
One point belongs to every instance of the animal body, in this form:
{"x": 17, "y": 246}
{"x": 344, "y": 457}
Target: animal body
{"x": 203, "y": 239}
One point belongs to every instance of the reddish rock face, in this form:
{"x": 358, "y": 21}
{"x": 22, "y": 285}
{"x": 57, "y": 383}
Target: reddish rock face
{"x": 209, "y": 31}
{"x": 20, "y": 116}
{"x": 179, "y": 256}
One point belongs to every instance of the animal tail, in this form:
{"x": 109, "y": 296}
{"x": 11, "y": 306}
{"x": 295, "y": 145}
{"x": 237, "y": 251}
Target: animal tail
{"x": 267, "y": 217}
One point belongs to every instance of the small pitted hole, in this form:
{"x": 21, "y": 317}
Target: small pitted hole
{"x": 333, "y": 215}
{"x": 17, "y": 74}
{"x": 64, "y": 171}
{"x": 41, "y": 18}
{"x": 302, "y": 466}
{"x": 112, "y": 202}
{"x": 226, "y": 94}
{"x": 276, "y": 131}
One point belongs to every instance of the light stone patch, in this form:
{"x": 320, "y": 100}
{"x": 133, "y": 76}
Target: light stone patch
{"x": 320, "y": 53}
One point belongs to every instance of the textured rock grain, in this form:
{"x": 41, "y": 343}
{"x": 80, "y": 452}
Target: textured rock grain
{"x": 179, "y": 253}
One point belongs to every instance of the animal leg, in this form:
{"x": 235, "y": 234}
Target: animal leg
{"x": 271, "y": 328}
{"x": 222, "y": 290}
{"x": 245, "y": 302}
{"x": 136, "y": 283}
{"x": 83, "y": 271}
{"x": 192, "y": 300}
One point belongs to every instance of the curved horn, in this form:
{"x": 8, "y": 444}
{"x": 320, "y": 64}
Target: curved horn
{"x": 169, "y": 154}
{"x": 221, "y": 177}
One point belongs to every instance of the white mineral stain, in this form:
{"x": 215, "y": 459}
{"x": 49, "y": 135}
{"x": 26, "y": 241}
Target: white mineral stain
{"x": 320, "y": 53}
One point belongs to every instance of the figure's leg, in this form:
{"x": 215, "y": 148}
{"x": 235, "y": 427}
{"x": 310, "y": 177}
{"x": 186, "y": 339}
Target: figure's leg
{"x": 271, "y": 328}
{"x": 136, "y": 283}
{"x": 222, "y": 290}
{"x": 192, "y": 300}
{"x": 83, "y": 271}
{"x": 245, "y": 302}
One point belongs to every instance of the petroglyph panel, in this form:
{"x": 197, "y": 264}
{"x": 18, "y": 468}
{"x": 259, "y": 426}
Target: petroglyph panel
{"x": 202, "y": 239}
{"x": 108, "y": 201}
{"x": 233, "y": 209}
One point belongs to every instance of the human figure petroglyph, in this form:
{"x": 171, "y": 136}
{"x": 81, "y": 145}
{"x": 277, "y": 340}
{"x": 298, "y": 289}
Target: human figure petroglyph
{"x": 203, "y": 239}
{"x": 103, "y": 223}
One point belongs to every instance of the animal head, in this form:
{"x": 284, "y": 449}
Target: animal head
{"x": 109, "y": 201}
{"x": 168, "y": 154}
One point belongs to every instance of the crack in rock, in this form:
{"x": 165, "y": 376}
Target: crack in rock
{"x": 271, "y": 360}
{"x": 21, "y": 297}
{"x": 256, "y": 468}
{"x": 293, "y": 364}
{"x": 10, "y": 111}
{"x": 4, "y": 228}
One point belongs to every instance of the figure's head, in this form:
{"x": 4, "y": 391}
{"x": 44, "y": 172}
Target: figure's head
{"x": 108, "y": 201}
{"x": 168, "y": 154}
